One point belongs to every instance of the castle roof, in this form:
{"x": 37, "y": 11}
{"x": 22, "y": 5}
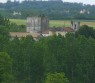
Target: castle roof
{"x": 68, "y": 29}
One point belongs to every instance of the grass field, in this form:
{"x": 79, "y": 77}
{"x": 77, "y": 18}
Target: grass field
{"x": 57, "y": 23}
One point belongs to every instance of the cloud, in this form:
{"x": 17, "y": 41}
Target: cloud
{"x": 82, "y": 1}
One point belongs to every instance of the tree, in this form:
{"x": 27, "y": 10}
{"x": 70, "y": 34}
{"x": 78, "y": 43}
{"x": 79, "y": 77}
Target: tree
{"x": 5, "y": 68}
{"x": 4, "y": 21}
{"x": 87, "y": 31}
{"x": 4, "y": 38}
{"x": 56, "y": 78}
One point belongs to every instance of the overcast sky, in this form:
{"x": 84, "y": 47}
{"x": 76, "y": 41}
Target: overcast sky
{"x": 83, "y": 1}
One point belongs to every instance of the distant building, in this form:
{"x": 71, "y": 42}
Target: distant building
{"x": 88, "y": 12}
{"x": 38, "y": 27}
{"x": 37, "y": 24}
{"x": 60, "y": 30}
{"x": 56, "y": 31}
{"x": 16, "y": 13}
{"x": 83, "y": 11}
{"x": 24, "y": 34}
{"x": 75, "y": 25}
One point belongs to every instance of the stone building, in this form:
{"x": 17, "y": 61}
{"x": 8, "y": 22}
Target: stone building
{"x": 38, "y": 27}
{"x": 24, "y": 34}
{"x": 75, "y": 25}
{"x": 60, "y": 30}
{"x": 37, "y": 24}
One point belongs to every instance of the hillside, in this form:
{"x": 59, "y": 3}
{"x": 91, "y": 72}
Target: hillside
{"x": 53, "y": 9}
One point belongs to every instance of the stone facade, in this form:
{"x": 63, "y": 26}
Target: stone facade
{"x": 75, "y": 25}
{"x": 37, "y": 24}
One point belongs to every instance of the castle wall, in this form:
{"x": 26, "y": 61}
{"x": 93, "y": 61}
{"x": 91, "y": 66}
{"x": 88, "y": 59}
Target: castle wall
{"x": 33, "y": 24}
{"x": 37, "y": 24}
{"x": 75, "y": 25}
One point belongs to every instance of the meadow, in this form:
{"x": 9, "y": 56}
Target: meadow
{"x": 57, "y": 23}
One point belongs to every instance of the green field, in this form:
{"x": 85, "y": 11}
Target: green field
{"x": 57, "y": 23}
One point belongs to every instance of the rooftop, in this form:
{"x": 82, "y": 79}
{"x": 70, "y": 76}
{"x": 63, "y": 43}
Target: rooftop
{"x": 68, "y": 29}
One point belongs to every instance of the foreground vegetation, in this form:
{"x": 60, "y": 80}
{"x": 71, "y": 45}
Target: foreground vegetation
{"x": 57, "y": 23}
{"x": 54, "y": 59}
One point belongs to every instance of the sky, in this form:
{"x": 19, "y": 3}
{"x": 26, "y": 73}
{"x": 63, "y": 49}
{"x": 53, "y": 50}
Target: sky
{"x": 92, "y": 2}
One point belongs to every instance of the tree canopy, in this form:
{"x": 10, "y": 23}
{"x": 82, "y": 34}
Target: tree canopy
{"x": 56, "y": 78}
{"x": 25, "y": 60}
{"x": 52, "y": 9}
{"x": 5, "y": 68}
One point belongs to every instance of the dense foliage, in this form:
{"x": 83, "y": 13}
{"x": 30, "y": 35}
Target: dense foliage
{"x": 52, "y": 9}
{"x": 32, "y": 60}
{"x": 5, "y": 68}
{"x": 9, "y": 27}
{"x": 56, "y": 78}
{"x": 86, "y": 31}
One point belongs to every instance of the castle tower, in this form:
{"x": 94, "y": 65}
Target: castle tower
{"x": 37, "y": 24}
{"x": 75, "y": 25}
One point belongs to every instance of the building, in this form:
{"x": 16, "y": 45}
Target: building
{"x": 60, "y": 30}
{"x": 24, "y": 34}
{"x": 75, "y": 25}
{"x": 39, "y": 27}
{"x": 37, "y": 24}
{"x": 16, "y": 13}
{"x": 36, "y": 27}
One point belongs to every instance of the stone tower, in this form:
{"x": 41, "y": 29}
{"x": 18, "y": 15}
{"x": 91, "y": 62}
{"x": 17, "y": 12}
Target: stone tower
{"x": 37, "y": 24}
{"x": 75, "y": 25}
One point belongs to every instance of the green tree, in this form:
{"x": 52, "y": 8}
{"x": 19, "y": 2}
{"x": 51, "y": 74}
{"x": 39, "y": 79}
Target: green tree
{"x": 56, "y": 78}
{"x": 5, "y": 68}
{"x": 4, "y": 38}
{"x": 4, "y": 21}
{"x": 87, "y": 31}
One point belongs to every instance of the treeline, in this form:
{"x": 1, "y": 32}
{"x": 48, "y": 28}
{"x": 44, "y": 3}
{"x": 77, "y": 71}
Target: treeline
{"x": 28, "y": 61}
{"x": 52, "y": 9}
{"x": 11, "y": 27}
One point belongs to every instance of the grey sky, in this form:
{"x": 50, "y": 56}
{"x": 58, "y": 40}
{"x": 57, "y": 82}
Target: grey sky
{"x": 83, "y": 1}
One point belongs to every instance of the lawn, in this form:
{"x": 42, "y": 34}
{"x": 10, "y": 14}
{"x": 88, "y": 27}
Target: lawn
{"x": 18, "y": 21}
{"x": 57, "y": 23}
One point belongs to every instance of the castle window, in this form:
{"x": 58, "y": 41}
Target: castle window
{"x": 75, "y": 26}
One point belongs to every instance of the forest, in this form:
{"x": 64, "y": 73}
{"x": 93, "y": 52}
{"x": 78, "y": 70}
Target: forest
{"x": 54, "y": 59}
{"x": 53, "y": 9}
